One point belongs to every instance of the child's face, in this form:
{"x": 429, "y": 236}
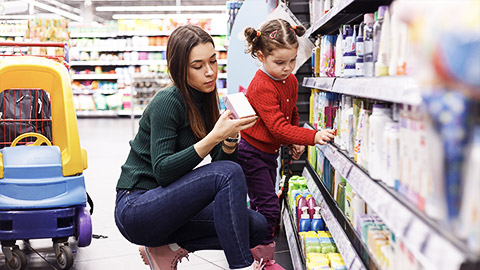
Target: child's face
{"x": 202, "y": 68}
{"x": 280, "y": 62}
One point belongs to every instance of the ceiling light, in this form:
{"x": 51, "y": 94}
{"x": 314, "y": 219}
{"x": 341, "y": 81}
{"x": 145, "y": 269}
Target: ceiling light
{"x": 161, "y": 8}
{"x": 169, "y": 16}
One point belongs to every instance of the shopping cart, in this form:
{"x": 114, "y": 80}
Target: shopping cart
{"x": 42, "y": 188}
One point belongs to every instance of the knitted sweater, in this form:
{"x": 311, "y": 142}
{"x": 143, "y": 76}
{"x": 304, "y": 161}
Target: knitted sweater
{"x": 162, "y": 151}
{"x": 275, "y": 102}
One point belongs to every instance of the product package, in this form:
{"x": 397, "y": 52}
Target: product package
{"x": 239, "y": 106}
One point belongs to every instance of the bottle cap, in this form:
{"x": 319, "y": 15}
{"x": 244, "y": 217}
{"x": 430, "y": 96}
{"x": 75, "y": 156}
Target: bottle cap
{"x": 381, "y": 11}
{"x": 305, "y": 214}
{"x": 369, "y": 18}
{"x": 317, "y": 213}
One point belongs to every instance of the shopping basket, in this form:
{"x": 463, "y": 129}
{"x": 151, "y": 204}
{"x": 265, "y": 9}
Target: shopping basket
{"x": 42, "y": 187}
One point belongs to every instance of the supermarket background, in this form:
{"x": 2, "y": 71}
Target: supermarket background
{"x": 399, "y": 81}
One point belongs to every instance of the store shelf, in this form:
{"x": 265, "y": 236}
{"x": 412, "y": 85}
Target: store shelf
{"x": 298, "y": 260}
{"x": 122, "y": 49}
{"x": 118, "y": 63}
{"x": 397, "y": 89}
{"x": 344, "y": 12}
{"x": 331, "y": 216}
{"x": 96, "y": 91}
{"x": 95, "y": 76}
{"x": 422, "y": 236}
{"x": 222, "y": 75}
{"x": 13, "y": 34}
{"x": 97, "y": 113}
{"x": 128, "y": 112}
{"x": 93, "y": 35}
{"x": 128, "y": 34}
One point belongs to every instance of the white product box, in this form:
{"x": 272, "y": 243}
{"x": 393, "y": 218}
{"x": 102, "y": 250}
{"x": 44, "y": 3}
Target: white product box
{"x": 239, "y": 106}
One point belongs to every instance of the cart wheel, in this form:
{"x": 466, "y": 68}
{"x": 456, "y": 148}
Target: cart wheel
{"x": 18, "y": 261}
{"x": 84, "y": 228}
{"x": 65, "y": 257}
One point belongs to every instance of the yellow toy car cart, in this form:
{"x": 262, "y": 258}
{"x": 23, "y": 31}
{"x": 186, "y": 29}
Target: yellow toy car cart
{"x": 42, "y": 188}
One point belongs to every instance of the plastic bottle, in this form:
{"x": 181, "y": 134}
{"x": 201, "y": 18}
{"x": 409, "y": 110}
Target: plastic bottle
{"x": 383, "y": 56}
{"x": 360, "y": 50}
{"x": 311, "y": 206}
{"x": 348, "y": 202}
{"x": 391, "y": 176}
{"x": 368, "y": 62}
{"x": 377, "y": 121}
{"x": 377, "y": 31}
{"x": 305, "y": 223}
{"x": 317, "y": 222}
{"x": 339, "y": 54}
{"x": 341, "y": 194}
{"x": 349, "y": 55}
{"x": 358, "y": 208}
{"x": 302, "y": 202}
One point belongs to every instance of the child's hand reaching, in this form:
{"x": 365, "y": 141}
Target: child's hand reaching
{"x": 324, "y": 136}
{"x": 296, "y": 150}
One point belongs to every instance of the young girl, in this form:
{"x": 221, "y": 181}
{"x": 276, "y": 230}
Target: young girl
{"x": 165, "y": 204}
{"x": 273, "y": 94}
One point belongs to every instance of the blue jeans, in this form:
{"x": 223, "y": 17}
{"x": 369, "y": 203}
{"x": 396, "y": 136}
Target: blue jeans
{"x": 205, "y": 209}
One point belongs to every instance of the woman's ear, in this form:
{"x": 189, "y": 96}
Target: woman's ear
{"x": 260, "y": 56}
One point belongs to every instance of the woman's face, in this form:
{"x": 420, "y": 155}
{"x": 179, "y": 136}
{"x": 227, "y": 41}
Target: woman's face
{"x": 202, "y": 68}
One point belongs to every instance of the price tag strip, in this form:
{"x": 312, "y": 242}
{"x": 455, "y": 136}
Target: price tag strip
{"x": 292, "y": 242}
{"x": 349, "y": 255}
{"x": 398, "y": 89}
{"x": 426, "y": 245}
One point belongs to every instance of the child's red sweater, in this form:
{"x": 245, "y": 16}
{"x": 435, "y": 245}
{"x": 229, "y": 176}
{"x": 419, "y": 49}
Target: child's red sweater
{"x": 275, "y": 102}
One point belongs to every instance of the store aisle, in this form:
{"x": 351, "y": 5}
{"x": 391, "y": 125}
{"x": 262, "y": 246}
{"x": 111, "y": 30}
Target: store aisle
{"x": 106, "y": 142}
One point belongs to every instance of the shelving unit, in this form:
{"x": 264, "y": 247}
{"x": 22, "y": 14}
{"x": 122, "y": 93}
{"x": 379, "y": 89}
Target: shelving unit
{"x": 428, "y": 242}
{"x": 344, "y": 12}
{"x": 108, "y": 66}
{"x": 291, "y": 232}
{"x": 334, "y": 220}
{"x": 431, "y": 244}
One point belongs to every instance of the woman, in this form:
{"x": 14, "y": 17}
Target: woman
{"x": 164, "y": 203}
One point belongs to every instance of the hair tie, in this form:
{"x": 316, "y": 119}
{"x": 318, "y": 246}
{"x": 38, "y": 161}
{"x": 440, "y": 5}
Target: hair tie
{"x": 258, "y": 33}
{"x": 273, "y": 34}
{"x": 294, "y": 27}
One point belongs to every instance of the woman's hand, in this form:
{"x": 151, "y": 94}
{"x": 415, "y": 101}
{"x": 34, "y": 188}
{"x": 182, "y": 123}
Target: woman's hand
{"x": 228, "y": 127}
{"x": 324, "y": 136}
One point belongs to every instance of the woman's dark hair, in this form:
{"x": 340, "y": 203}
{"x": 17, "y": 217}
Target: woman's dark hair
{"x": 273, "y": 34}
{"x": 180, "y": 44}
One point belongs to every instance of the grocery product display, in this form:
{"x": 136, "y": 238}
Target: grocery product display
{"x": 397, "y": 80}
{"x": 396, "y": 168}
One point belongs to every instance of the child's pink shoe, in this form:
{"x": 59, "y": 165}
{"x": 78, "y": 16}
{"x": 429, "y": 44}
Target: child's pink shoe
{"x": 163, "y": 257}
{"x": 265, "y": 253}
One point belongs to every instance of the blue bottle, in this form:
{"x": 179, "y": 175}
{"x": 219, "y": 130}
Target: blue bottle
{"x": 305, "y": 224}
{"x": 317, "y": 222}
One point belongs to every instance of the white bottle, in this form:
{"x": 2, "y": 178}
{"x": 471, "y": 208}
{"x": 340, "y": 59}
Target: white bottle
{"x": 377, "y": 121}
{"x": 391, "y": 147}
{"x": 339, "y": 54}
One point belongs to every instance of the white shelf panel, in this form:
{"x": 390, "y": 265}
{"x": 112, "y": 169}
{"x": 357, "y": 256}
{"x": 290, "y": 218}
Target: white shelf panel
{"x": 295, "y": 252}
{"x": 13, "y": 34}
{"x": 328, "y": 16}
{"x": 397, "y": 89}
{"x": 97, "y": 113}
{"x": 118, "y": 63}
{"x": 345, "y": 247}
{"x": 122, "y": 49}
{"x": 92, "y": 35}
{"x": 95, "y": 76}
{"x": 417, "y": 235}
{"x": 222, "y": 75}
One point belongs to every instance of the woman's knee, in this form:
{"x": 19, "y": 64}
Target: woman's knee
{"x": 233, "y": 170}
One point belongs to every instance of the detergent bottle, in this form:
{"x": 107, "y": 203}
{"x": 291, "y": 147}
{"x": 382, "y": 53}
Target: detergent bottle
{"x": 302, "y": 202}
{"x": 305, "y": 224}
{"x": 317, "y": 223}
